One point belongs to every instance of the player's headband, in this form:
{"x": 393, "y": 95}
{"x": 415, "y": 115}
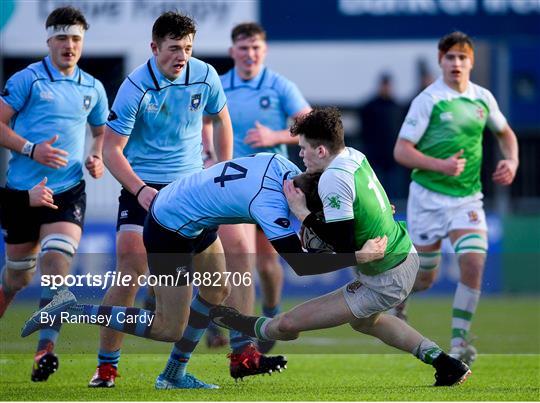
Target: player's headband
{"x": 459, "y": 47}
{"x": 65, "y": 30}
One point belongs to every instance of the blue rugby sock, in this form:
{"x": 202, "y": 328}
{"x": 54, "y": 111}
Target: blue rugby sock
{"x": 182, "y": 350}
{"x": 49, "y": 334}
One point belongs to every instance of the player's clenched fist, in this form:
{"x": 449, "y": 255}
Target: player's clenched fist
{"x": 505, "y": 172}
{"x": 94, "y": 164}
{"x": 454, "y": 165}
{"x": 46, "y": 154}
{"x": 145, "y": 196}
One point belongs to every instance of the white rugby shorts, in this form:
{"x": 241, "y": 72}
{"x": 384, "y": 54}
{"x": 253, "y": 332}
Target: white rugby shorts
{"x": 431, "y": 215}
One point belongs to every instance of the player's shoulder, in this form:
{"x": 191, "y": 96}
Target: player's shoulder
{"x": 200, "y": 71}
{"x": 347, "y": 161}
{"x": 479, "y": 92}
{"x": 140, "y": 79}
{"x": 273, "y": 79}
{"x": 89, "y": 80}
{"x": 32, "y": 72}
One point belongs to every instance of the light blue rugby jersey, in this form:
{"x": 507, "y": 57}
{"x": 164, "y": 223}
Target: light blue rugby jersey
{"x": 268, "y": 98}
{"x": 47, "y": 103}
{"x": 242, "y": 190}
{"x": 164, "y": 118}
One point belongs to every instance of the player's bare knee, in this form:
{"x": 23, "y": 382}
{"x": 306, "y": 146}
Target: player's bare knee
{"x": 287, "y": 327}
{"x": 165, "y": 329}
{"x": 365, "y": 325}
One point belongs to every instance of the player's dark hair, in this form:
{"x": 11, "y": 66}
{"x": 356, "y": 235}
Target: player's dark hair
{"x": 309, "y": 184}
{"x": 321, "y": 126}
{"x": 66, "y": 16}
{"x": 174, "y": 25}
{"x": 247, "y": 30}
{"x": 454, "y": 38}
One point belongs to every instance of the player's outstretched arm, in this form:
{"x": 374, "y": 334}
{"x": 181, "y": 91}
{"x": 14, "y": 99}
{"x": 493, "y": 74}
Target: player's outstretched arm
{"x": 507, "y": 167}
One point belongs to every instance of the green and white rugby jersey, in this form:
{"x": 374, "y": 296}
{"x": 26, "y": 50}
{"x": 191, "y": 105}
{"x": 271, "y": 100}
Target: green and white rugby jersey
{"x": 349, "y": 189}
{"x": 442, "y": 121}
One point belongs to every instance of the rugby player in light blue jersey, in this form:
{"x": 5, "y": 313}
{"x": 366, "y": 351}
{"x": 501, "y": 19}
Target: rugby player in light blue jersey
{"x": 260, "y": 103}
{"x": 153, "y": 137}
{"x": 49, "y": 102}
{"x": 181, "y": 229}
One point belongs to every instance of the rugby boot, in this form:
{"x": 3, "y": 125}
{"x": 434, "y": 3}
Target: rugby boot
{"x": 104, "y": 377}
{"x": 251, "y": 362}
{"x": 450, "y": 371}
{"x": 45, "y": 364}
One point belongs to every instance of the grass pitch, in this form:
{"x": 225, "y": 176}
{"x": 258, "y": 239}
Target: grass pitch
{"x": 335, "y": 364}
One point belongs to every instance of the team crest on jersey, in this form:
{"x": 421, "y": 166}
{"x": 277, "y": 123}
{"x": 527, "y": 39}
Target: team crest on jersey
{"x": 473, "y": 217}
{"x": 354, "y": 286}
{"x": 87, "y": 101}
{"x": 447, "y": 116}
{"x": 195, "y": 102}
{"x": 264, "y": 102}
{"x": 334, "y": 201}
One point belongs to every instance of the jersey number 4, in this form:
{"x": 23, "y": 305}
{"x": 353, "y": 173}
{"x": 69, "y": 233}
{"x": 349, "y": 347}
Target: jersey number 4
{"x": 230, "y": 177}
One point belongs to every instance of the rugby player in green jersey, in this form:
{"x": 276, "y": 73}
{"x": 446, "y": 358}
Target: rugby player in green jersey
{"x": 441, "y": 141}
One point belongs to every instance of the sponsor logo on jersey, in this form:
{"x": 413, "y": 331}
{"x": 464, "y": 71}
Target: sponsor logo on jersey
{"x": 46, "y": 95}
{"x": 334, "y": 201}
{"x": 283, "y": 222}
{"x": 473, "y": 217}
{"x": 411, "y": 122}
{"x": 87, "y": 101}
{"x": 124, "y": 214}
{"x": 195, "y": 102}
{"x": 264, "y": 102}
{"x": 446, "y": 117}
{"x": 152, "y": 108}
{"x": 354, "y": 286}
{"x": 112, "y": 116}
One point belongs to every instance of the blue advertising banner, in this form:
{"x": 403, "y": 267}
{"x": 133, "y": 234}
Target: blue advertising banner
{"x": 398, "y": 19}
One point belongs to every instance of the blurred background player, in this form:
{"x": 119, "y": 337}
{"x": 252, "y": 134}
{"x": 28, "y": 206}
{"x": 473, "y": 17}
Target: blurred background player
{"x": 260, "y": 103}
{"x": 357, "y": 215}
{"x": 53, "y": 101}
{"x": 441, "y": 140}
{"x": 146, "y": 147}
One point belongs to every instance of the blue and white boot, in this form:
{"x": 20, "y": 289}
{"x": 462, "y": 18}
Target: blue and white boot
{"x": 60, "y": 303}
{"x": 188, "y": 381}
